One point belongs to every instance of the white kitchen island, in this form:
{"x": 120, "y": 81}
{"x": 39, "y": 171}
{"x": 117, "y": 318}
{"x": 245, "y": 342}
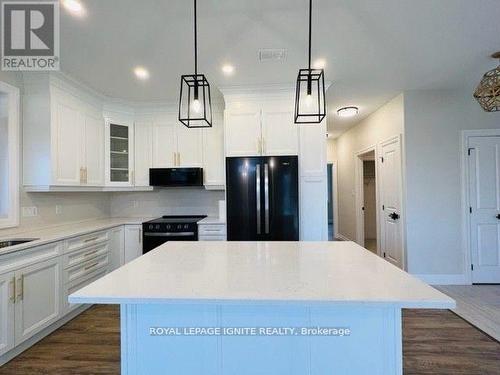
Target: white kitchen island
{"x": 259, "y": 308}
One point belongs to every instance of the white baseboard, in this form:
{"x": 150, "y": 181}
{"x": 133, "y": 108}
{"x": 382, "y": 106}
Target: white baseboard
{"x": 439, "y": 279}
{"x": 342, "y": 237}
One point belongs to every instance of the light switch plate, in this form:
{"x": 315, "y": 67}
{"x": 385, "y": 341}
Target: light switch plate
{"x": 58, "y": 209}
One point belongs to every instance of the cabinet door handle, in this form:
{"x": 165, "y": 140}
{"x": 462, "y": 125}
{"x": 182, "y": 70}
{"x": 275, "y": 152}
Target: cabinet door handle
{"x": 132, "y": 177}
{"x": 259, "y": 146}
{"x": 174, "y": 154}
{"x": 12, "y": 291}
{"x": 20, "y": 288}
{"x": 86, "y": 175}
{"x": 81, "y": 175}
{"x": 140, "y": 235}
{"x": 263, "y": 145}
{"x": 178, "y": 159}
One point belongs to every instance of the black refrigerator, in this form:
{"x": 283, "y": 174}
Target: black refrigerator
{"x": 262, "y": 197}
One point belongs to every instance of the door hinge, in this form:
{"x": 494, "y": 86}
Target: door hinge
{"x": 383, "y": 207}
{"x": 470, "y": 209}
{"x": 362, "y": 208}
{"x": 472, "y": 267}
{"x": 384, "y": 255}
{"x": 469, "y": 150}
{"x": 382, "y": 159}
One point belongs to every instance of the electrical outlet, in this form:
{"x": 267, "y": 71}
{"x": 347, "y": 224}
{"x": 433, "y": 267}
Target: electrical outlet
{"x": 30, "y": 211}
{"x": 135, "y": 204}
{"x": 58, "y": 209}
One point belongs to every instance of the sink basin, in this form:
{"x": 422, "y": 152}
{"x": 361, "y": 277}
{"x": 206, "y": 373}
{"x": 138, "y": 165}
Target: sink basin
{"x": 15, "y": 241}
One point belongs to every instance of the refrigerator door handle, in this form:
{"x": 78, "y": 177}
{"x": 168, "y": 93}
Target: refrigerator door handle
{"x": 266, "y": 197}
{"x": 257, "y": 189}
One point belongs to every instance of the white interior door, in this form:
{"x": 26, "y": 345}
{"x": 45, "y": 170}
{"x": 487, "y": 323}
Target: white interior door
{"x": 484, "y": 192}
{"x": 390, "y": 196}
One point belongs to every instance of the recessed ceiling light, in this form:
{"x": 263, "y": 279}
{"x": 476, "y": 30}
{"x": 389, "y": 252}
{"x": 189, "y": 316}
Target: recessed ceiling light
{"x": 348, "y": 111}
{"x": 75, "y": 7}
{"x": 141, "y": 73}
{"x": 319, "y": 64}
{"x": 228, "y": 69}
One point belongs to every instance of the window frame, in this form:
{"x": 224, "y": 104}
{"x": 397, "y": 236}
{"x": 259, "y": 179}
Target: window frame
{"x": 13, "y": 128}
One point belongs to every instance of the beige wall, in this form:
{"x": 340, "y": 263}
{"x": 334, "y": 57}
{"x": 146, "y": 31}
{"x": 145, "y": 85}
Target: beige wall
{"x": 383, "y": 124}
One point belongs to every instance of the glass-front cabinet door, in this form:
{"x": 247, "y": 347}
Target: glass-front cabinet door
{"x": 120, "y": 141}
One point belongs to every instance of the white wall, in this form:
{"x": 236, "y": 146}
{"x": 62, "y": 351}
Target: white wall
{"x": 386, "y": 122}
{"x": 192, "y": 201}
{"x": 433, "y": 121}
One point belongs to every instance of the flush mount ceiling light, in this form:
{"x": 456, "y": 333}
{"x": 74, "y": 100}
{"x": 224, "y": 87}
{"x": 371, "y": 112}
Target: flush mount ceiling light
{"x": 348, "y": 111}
{"x": 75, "y": 7}
{"x": 228, "y": 69}
{"x": 310, "y": 103}
{"x": 488, "y": 91}
{"x": 141, "y": 73}
{"x": 195, "y": 106}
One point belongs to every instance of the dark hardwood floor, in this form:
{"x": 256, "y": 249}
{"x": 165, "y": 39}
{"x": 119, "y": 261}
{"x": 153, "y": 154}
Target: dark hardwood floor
{"x": 435, "y": 342}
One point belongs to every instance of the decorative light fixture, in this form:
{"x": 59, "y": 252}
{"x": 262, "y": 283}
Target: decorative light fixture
{"x": 141, "y": 72}
{"x": 195, "y": 105}
{"x": 488, "y": 91}
{"x": 310, "y": 103}
{"x": 348, "y": 111}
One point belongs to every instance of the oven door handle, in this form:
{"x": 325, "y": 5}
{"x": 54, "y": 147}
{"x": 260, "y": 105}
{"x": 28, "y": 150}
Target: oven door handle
{"x": 169, "y": 234}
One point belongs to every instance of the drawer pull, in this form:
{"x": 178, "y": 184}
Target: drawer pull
{"x": 212, "y": 230}
{"x": 91, "y": 266}
{"x": 91, "y": 239}
{"x": 90, "y": 253}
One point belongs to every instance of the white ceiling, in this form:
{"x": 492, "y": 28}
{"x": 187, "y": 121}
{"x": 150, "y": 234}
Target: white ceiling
{"x": 374, "y": 48}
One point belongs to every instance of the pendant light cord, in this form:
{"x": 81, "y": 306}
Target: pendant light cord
{"x": 310, "y": 31}
{"x": 195, "y": 43}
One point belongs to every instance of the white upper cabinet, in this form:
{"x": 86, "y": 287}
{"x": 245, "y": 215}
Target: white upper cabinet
{"x": 63, "y": 135}
{"x": 261, "y": 128}
{"x": 243, "y": 132}
{"x": 119, "y": 151}
{"x": 213, "y": 153}
{"x": 94, "y": 150}
{"x": 143, "y": 131}
{"x": 279, "y": 132}
{"x": 174, "y": 145}
{"x": 189, "y": 146}
{"x": 312, "y": 155}
{"x": 164, "y": 145}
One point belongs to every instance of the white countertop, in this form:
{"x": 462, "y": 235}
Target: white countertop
{"x": 61, "y": 232}
{"x": 212, "y": 220}
{"x": 281, "y": 272}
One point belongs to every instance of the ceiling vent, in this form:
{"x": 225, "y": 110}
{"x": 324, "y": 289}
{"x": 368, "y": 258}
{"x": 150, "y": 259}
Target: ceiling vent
{"x": 272, "y": 54}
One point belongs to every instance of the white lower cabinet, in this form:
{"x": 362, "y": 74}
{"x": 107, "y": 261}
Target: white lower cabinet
{"x": 116, "y": 248}
{"x": 7, "y": 297}
{"x": 133, "y": 242}
{"x": 38, "y": 298}
{"x": 212, "y": 232}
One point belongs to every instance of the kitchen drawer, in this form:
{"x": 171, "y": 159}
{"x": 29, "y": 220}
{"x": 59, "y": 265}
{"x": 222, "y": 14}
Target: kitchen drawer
{"x": 78, "y": 284}
{"x": 212, "y": 229}
{"x": 77, "y": 257}
{"x": 13, "y": 261}
{"x": 211, "y": 238}
{"x": 86, "y": 268}
{"x": 87, "y": 240}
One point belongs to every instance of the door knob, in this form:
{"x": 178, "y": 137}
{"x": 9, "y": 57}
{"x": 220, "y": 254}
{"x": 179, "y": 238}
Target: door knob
{"x": 498, "y": 216}
{"x": 394, "y": 216}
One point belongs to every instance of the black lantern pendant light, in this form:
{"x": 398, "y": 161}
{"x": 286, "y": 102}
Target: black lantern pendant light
{"x": 195, "y": 106}
{"x": 310, "y": 104}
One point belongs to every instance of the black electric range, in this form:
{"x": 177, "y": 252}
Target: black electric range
{"x": 169, "y": 228}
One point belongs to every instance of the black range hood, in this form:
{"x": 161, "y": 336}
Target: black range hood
{"x": 175, "y": 177}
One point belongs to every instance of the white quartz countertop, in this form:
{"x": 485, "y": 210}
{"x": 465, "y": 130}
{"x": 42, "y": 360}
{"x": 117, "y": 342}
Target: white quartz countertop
{"x": 62, "y": 232}
{"x": 212, "y": 220}
{"x": 255, "y": 272}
